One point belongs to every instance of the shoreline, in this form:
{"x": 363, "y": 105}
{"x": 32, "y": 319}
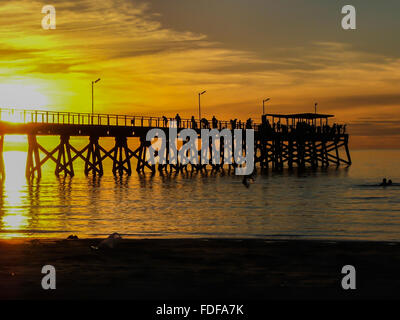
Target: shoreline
{"x": 193, "y": 269}
{"x": 205, "y": 238}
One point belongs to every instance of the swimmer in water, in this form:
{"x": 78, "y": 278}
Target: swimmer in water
{"x": 384, "y": 183}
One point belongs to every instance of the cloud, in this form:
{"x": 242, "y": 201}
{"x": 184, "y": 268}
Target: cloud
{"x": 150, "y": 68}
{"x": 375, "y": 128}
{"x": 365, "y": 100}
{"x": 9, "y": 53}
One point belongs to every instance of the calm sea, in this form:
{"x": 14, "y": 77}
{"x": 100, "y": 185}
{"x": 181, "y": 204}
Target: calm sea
{"x": 334, "y": 203}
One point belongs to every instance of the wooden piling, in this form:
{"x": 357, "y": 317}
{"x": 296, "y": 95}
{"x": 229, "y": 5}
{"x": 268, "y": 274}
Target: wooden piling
{"x": 93, "y": 159}
{"x": 33, "y": 163}
{"x": 64, "y": 158}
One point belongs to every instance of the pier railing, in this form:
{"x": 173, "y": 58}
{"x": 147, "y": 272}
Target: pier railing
{"x": 19, "y": 116}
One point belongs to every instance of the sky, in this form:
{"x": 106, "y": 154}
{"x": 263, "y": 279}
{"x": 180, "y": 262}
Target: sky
{"x": 154, "y": 57}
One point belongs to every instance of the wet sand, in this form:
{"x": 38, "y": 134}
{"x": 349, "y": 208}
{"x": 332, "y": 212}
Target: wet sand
{"x": 191, "y": 269}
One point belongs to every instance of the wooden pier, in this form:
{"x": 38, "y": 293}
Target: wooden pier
{"x": 299, "y": 140}
{"x": 302, "y": 140}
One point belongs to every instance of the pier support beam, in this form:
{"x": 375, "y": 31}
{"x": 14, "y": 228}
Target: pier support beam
{"x": 346, "y": 145}
{"x": 64, "y": 159}
{"x": 122, "y": 157}
{"x": 93, "y": 159}
{"x": 140, "y": 155}
{"x": 33, "y": 164}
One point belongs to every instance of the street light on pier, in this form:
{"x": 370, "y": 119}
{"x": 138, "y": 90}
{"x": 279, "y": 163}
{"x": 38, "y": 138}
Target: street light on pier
{"x": 200, "y": 94}
{"x": 315, "y": 111}
{"x": 93, "y": 82}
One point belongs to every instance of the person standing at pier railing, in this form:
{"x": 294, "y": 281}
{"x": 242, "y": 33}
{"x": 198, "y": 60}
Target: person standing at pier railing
{"x": 178, "y": 120}
{"x": 233, "y": 124}
{"x": 214, "y": 122}
{"x": 194, "y": 124}
{"x": 204, "y": 123}
{"x": 249, "y": 123}
{"x": 165, "y": 121}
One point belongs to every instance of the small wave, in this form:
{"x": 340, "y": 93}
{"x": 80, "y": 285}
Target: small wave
{"x": 377, "y": 185}
{"x": 368, "y": 198}
{"x": 147, "y": 234}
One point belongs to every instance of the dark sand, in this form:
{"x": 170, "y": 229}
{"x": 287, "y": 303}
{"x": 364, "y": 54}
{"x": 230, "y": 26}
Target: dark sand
{"x": 199, "y": 269}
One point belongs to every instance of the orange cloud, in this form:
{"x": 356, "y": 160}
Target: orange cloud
{"x": 147, "y": 68}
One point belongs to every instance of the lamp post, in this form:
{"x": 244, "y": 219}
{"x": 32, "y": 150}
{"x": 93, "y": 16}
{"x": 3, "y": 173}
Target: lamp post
{"x": 93, "y": 82}
{"x": 200, "y": 94}
{"x": 315, "y": 112}
{"x": 265, "y": 100}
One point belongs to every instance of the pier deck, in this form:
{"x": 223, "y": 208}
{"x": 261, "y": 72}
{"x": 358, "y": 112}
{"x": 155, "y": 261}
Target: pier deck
{"x": 299, "y": 140}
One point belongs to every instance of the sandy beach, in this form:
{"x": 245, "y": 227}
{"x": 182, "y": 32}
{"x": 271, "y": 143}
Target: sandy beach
{"x": 198, "y": 269}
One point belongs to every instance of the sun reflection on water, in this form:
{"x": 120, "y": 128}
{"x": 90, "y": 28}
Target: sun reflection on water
{"x": 13, "y": 214}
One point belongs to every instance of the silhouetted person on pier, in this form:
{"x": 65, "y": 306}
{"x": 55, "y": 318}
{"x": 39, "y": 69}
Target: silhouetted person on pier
{"x": 178, "y": 120}
{"x": 384, "y": 183}
{"x": 194, "y": 124}
{"x": 133, "y": 121}
{"x": 214, "y": 122}
{"x": 390, "y": 182}
{"x": 165, "y": 121}
{"x": 249, "y": 123}
{"x": 204, "y": 123}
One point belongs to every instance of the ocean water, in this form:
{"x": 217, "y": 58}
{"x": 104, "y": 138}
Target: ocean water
{"x": 336, "y": 203}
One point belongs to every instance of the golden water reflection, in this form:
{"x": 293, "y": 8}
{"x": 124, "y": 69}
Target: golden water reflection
{"x": 13, "y": 196}
{"x": 329, "y": 204}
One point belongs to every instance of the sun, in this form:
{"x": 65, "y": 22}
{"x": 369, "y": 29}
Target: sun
{"x": 22, "y": 95}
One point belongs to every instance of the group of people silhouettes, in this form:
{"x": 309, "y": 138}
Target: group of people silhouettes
{"x": 386, "y": 182}
{"x": 204, "y": 123}
{"x": 302, "y": 127}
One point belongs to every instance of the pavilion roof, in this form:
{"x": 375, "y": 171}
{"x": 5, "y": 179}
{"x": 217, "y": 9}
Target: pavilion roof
{"x": 308, "y": 116}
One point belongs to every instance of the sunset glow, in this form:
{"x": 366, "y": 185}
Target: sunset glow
{"x": 153, "y": 61}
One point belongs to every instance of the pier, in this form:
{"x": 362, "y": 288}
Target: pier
{"x": 297, "y": 140}
{"x": 301, "y": 140}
